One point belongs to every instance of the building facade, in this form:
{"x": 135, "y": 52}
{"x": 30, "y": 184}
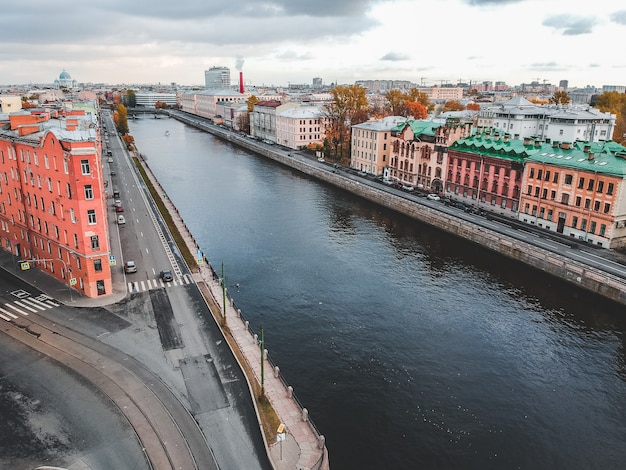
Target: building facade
{"x": 371, "y": 143}
{"x": 577, "y": 189}
{"x": 300, "y": 126}
{"x": 52, "y": 199}
{"x": 520, "y": 118}
{"x": 204, "y": 103}
{"x": 419, "y": 152}
{"x": 217, "y": 77}
{"x": 263, "y": 119}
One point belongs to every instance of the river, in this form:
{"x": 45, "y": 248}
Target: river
{"x": 409, "y": 347}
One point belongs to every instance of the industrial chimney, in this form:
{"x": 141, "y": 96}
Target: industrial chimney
{"x": 241, "y": 90}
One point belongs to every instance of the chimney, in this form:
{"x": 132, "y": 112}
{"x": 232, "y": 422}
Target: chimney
{"x": 590, "y": 156}
{"x": 241, "y": 83}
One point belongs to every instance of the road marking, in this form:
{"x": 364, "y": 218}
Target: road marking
{"x": 17, "y": 309}
{"x": 5, "y": 318}
{"x": 8, "y": 313}
{"x": 28, "y": 307}
{"x": 20, "y": 294}
{"x": 41, "y": 305}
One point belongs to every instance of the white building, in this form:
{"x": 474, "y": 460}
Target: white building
{"x": 149, "y": 100}
{"x": 519, "y": 117}
{"x": 301, "y": 126}
{"x": 263, "y": 118}
{"x": 233, "y": 114}
{"x": 371, "y": 144}
{"x": 217, "y": 77}
{"x": 10, "y": 103}
{"x": 204, "y": 103}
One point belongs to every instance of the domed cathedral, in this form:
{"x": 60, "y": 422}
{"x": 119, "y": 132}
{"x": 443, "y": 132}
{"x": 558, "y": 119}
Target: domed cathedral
{"x": 64, "y": 81}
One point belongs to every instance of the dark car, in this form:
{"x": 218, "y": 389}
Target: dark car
{"x": 166, "y": 275}
{"x": 460, "y": 205}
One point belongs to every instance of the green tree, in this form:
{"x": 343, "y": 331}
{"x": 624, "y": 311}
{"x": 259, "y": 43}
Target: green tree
{"x": 349, "y": 106}
{"x": 396, "y": 101}
{"x": 131, "y": 98}
{"x": 560, "y": 97}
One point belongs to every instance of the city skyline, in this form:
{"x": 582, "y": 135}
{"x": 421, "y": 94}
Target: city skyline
{"x": 292, "y": 41}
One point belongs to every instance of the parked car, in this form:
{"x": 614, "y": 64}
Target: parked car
{"x": 166, "y": 275}
{"x": 121, "y": 220}
{"x": 460, "y": 205}
{"x": 321, "y": 159}
{"x": 119, "y": 208}
{"x": 433, "y": 197}
{"x": 110, "y": 160}
{"x": 397, "y": 184}
{"x": 130, "y": 267}
{"x": 408, "y": 187}
{"x": 387, "y": 182}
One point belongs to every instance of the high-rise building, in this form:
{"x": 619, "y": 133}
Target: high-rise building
{"x": 217, "y": 77}
{"x": 563, "y": 84}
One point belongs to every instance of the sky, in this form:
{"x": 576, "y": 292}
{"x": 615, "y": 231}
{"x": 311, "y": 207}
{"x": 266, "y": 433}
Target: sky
{"x": 282, "y": 42}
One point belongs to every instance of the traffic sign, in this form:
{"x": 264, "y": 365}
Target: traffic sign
{"x": 25, "y": 266}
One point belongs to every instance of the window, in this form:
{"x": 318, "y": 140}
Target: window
{"x": 84, "y": 166}
{"x": 592, "y": 228}
{"x": 607, "y": 207}
{"x": 602, "y": 230}
{"x": 539, "y": 174}
{"x": 549, "y": 214}
{"x": 568, "y": 179}
{"x": 95, "y": 243}
{"x": 578, "y": 201}
{"x": 581, "y": 183}
{"x": 574, "y": 221}
{"x": 547, "y": 178}
{"x": 545, "y": 193}
{"x": 530, "y": 189}
{"x": 97, "y": 265}
{"x": 590, "y": 185}
{"x": 565, "y": 199}
{"x": 532, "y": 173}
{"x": 600, "y": 187}
{"x": 526, "y": 208}
{"x": 88, "y": 191}
{"x": 596, "y": 206}
{"x": 587, "y": 203}
{"x": 556, "y": 177}
{"x": 542, "y": 212}
{"x": 583, "y": 224}
{"x": 537, "y": 189}
{"x": 91, "y": 217}
{"x": 552, "y": 195}
{"x": 609, "y": 189}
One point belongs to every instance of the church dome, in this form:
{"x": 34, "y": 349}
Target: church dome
{"x": 65, "y": 76}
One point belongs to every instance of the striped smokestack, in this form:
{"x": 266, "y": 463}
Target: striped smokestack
{"x": 241, "y": 90}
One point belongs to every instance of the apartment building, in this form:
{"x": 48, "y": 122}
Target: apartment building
{"x": 263, "y": 118}
{"x": 204, "y": 103}
{"x": 371, "y": 144}
{"x": 419, "y": 151}
{"x": 577, "y": 189}
{"x": 300, "y": 126}
{"x": 52, "y": 198}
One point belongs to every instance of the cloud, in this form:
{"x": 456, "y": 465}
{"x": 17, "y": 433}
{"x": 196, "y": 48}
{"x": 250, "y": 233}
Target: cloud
{"x": 490, "y": 2}
{"x": 394, "y": 56}
{"x": 571, "y": 25}
{"x": 619, "y": 17}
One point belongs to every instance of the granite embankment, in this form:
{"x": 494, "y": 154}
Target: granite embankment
{"x": 580, "y": 274}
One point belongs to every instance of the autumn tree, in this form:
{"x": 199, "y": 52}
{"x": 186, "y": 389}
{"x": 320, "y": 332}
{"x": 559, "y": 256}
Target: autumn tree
{"x": 453, "y": 105}
{"x": 416, "y": 109}
{"x": 347, "y": 107}
{"x": 615, "y": 103}
{"x": 472, "y": 107}
{"x": 129, "y": 140}
{"x": 560, "y": 97}
{"x": 120, "y": 118}
{"x": 251, "y": 102}
{"x": 160, "y": 105}
{"x": 397, "y": 102}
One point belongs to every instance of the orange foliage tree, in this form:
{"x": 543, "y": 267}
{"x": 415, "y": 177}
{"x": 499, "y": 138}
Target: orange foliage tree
{"x": 416, "y": 109}
{"x": 473, "y": 107}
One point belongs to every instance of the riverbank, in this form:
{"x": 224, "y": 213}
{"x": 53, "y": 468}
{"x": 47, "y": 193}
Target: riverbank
{"x": 299, "y": 445}
{"x": 582, "y": 275}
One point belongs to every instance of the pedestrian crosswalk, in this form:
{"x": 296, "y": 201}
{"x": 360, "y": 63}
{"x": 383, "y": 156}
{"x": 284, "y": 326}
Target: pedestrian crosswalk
{"x": 142, "y": 286}
{"x": 25, "y": 305}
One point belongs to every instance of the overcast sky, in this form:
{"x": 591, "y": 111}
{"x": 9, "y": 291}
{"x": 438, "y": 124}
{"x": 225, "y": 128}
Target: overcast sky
{"x": 291, "y": 41}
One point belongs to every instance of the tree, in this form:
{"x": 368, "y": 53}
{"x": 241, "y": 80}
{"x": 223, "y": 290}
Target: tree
{"x": 416, "y": 109}
{"x": 615, "y": 103}
{"x": 160, "y": 105}
{"x": 453, "y": 105}
{"x": 473, "y": 107}
{"x": 131, "y": 98}
{"x": 348, "y": 106}
{"x": 396, "y": 101}
{"x": 560, "y": 97}
{"x": 251, "y": 102}
{"x": 121, "y": 119}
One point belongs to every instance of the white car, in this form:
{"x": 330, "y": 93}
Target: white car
{"x": 121, "y": 220}
{"x": 408, "y": 187}
{"x": 433, "y": 197}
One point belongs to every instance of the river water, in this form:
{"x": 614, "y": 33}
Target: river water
{"x": 410, "y": 348}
